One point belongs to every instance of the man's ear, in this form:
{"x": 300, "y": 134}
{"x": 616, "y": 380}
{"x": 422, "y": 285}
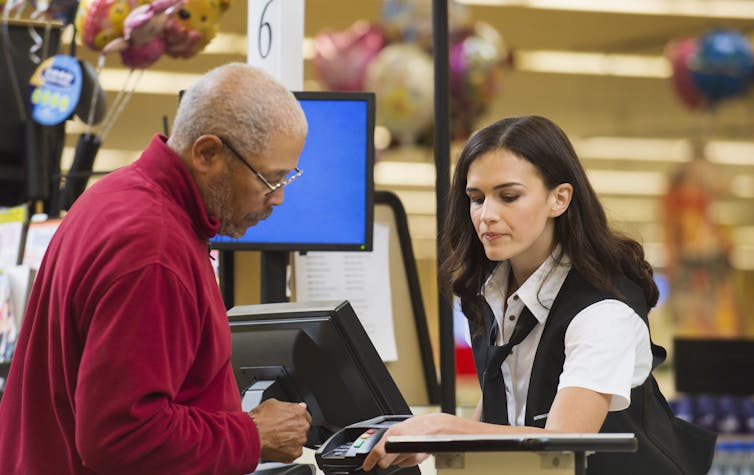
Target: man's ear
{"x": 562, "y": 198}
{"x": 206, "y": 154}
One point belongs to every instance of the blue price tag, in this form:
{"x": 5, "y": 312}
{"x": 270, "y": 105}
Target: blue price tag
{"x": 55, "y": 89}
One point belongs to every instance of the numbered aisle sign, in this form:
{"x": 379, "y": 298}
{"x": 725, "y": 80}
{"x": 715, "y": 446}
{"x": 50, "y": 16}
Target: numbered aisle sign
{"x": 276, "y": 37}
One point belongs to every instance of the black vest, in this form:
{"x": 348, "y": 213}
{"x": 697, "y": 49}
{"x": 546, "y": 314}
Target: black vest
{"x": 667, "y": 445}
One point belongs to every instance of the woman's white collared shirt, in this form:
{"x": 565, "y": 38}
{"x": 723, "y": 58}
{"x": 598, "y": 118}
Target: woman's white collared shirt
{"x": 607, "y": 346}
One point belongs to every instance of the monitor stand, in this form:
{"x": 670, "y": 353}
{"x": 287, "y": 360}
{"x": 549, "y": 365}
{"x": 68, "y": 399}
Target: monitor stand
{"x": 274, "y": 278}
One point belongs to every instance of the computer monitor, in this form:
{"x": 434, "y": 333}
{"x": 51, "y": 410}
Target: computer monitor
{"x": 316, "y": 352}
{"x": 714, "y": 365}
{"x": 331, "y": 206}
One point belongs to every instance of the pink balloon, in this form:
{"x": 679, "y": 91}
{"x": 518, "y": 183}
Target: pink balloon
{"x": 476, "y": 63}
{"x": 342, "y": 58}
{"x": 679, "y": 52}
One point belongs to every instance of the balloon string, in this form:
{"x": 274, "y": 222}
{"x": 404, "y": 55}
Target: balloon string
{"x": 38, "y": 42}
{"x": 106, "y": 128}
{"x": 116, "y": 101}
{"x": 20, "y": 11}
{"x": 95, "y": 94}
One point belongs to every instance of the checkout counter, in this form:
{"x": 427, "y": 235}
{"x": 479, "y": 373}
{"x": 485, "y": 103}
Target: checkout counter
{"x": 520, "y": 454}
{"x": 547, "y": 454}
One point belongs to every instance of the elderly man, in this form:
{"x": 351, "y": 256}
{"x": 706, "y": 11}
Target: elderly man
{"x": 123, "y": 363}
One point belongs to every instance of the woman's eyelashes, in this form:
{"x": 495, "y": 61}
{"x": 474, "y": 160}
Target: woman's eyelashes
{"x": 505, "y": 197}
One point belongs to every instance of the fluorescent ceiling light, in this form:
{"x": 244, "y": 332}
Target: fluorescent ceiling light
{"x": 655, "y": 253}
{"x": 152, "y": 82}
{"x": 404, "y": 173}
{"x": 734, "y": 9}
{"x": 662, "y": 150}
{"x": 630, "y": 209}
{"x": 227, "y": 43}
{"x": 418, "y": 202}
{"x": 558, "y": 62}
{"x": 309, "y": 48}
{"x": 382, "y": 137}
{"x": 108, "y": 159}
{"x": 628, "y": 182}
{"x": 730, "y": 153}
{"x": 567, "y": 62}
{"x": 633, "y": 148}
{"x": 742, "y": 257}
{"x": 602, "y": 64}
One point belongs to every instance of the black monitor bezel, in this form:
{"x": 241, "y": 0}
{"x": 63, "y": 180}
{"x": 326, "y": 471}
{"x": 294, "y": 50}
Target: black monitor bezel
{"x": 713, "y": 365}
{"x": 366, "y": 246}
{"x": 374, "y": 374}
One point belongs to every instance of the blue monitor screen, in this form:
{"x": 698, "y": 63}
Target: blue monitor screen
{"x": 330, "y": 207}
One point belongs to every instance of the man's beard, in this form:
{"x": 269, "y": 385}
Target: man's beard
{"x": 220, "y": 204}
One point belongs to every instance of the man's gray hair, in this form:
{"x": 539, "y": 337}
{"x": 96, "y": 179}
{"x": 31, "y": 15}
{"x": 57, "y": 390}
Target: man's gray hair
{"x": 241, "y": 103}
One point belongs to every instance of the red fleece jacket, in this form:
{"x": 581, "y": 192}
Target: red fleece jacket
{"x": 123, "y": 362}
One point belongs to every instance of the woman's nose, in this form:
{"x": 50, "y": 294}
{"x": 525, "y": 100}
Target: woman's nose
{"x": 489, "y": 211}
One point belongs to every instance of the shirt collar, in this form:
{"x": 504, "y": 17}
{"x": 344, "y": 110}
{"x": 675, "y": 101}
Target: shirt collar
{"x": 538, "y": 292}
{"x": 162, "y": 165}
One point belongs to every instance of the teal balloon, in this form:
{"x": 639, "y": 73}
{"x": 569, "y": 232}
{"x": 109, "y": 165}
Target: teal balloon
{"x": 723, "y": 65}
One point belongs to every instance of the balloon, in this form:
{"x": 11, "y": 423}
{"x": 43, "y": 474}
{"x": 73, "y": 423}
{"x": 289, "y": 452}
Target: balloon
{"x": 723, "y": 65}
{"x": 679, "y": 52}
{"x": 411, "y": 20}
{"x": 142, "y": 30}
{"x": 341, "y": 59}
{"x": 401, "y": 76}
{"x": 142, "y": 43}
{"x": 101, "y": 21}
{"x": 193, "y": 27}
{"x": 476, "y": 64}
{"x": 11, "y": 5}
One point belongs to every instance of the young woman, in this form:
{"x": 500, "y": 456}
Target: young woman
{"x": 557, "y": 307}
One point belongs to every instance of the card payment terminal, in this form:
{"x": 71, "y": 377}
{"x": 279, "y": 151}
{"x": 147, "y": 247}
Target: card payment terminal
{"x": 345, "y": 451}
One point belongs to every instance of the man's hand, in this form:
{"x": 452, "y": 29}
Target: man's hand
{"x": 282, "y": 428}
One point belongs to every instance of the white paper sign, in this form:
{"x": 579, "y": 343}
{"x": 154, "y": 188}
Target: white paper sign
{"x": 38, "y": 237}
{"x": 21, "y": 279}
{"x": 11, "y": 232}
{"x": 276, "y": 38}
{"x": 362, "y": 278}
{"x": 10, "y": 243}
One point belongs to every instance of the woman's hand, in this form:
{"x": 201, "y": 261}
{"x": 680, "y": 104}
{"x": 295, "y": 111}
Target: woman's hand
{"x": 418, "y": 425}
{"x": 574, "y": 410}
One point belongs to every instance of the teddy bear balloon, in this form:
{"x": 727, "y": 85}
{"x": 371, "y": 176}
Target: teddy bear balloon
{"x": 193, "y": 26}
{"x": 142, "y": 42}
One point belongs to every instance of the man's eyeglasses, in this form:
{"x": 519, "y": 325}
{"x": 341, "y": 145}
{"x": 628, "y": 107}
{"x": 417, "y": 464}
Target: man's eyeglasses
{"x": 297, "y": 172}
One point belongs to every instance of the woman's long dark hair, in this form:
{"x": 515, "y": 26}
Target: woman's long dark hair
{"x": 582, "y": 232}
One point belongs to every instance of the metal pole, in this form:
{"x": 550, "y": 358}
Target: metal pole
{"x": 273, "y": 273}
{"x": 579, "y": 462}
{"x": 442, "y": 186}
{"x": 227, "y": 271}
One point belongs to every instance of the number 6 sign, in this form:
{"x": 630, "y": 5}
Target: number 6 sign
{"x": 276, "y": 36}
